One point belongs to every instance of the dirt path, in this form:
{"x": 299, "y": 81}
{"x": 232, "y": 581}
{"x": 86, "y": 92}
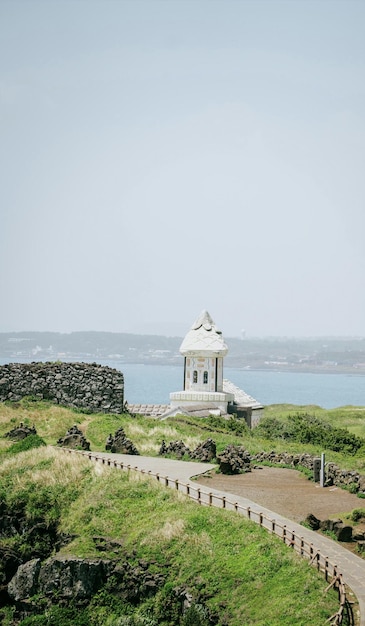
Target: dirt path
{"x": 287, "y": 492}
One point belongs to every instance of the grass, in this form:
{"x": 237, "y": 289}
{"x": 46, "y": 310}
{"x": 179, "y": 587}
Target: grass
{"x": 244, "y": 575}
{"x": 350, "y": 417}
{"x": 235, "y": 566}
{"x": 52, "y": 422}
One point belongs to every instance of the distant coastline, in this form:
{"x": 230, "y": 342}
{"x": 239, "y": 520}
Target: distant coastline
{"x": 316, "y": 355}
{"x": 287, "y": 369}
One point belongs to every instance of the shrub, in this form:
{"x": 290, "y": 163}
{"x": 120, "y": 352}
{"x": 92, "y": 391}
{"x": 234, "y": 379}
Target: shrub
{"x": 271, "y": 428}
{"x": 28, "y": 443}
{"x": 233, "y": 424}
{"x": 357, "y": 514}
{"x": 309, "y": 429}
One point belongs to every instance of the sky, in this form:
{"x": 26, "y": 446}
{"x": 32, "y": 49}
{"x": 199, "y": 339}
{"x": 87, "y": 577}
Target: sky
{"x": 162, "y": 157}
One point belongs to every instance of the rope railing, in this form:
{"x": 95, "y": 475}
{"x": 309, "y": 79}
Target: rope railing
{"x": 289, "y": 537}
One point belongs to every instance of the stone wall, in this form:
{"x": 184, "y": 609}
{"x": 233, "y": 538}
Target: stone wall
{"x": 348, "y": 479}
{"x": 79, "y": 385}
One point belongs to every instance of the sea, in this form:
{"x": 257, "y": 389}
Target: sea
{"x": 152, "y": 384}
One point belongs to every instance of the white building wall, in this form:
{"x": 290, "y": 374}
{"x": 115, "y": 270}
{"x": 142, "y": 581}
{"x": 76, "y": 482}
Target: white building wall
{"x": 219, "y": 374}
{"x": 199, "y": 365}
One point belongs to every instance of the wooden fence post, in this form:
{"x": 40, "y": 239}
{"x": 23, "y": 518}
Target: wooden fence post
{"x": 311, "y": 551}
{"x": 301, "y": 546}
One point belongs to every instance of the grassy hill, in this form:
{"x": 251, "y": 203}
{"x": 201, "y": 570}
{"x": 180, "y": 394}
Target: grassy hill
{"x": 52, "y": 421}
{"x": 233, "y": 572}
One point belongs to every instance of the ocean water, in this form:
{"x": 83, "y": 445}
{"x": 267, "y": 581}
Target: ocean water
{"x": 152, "y": 384}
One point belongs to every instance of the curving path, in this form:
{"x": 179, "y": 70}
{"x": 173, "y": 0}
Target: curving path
{"x": 351, "y": 566}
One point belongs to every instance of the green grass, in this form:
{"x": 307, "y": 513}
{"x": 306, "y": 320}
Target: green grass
{"x": 52, "y": 422}
{"x": 244, "y": 575}
{"x": 350, "y": 417}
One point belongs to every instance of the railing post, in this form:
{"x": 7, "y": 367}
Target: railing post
{"x": 249, "y": 512}
{"x": 210, "y": 499}
{"x": 166, "y": 481}
{"x": 236, "y": 506}
{"x": 199, "y": 496}
{"x": 284, "y": 533}
{"x": 224, "y": 502}
{"x": 188, "y": 490}
{"x": 261, "y": 519}
{"x": 311, "y": 551}
{"x": 273, "y": 526}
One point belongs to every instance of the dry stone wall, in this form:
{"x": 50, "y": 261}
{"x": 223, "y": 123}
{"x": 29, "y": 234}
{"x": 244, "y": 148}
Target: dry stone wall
{"x": 86, "y": 386}
{"x": 348, "y": 479}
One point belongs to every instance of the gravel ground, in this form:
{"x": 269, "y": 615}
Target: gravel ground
{"x": 287, "y": 492}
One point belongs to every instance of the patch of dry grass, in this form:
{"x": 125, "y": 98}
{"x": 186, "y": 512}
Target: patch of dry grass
{"x": 170, "y": 530}
{"x": 51, "y": 421}
{"x": 46, "y": 466}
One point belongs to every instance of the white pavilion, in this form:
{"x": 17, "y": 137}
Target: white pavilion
{"x": 205, "y": 391}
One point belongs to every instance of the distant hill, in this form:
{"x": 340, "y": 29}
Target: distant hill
{"x": 327, "y": 354}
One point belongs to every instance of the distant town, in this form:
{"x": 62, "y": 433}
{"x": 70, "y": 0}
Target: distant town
{"x": 317, "y": 354}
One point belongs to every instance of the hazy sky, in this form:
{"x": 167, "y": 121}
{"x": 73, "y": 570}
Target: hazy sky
{"x": 159, "y": 158}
